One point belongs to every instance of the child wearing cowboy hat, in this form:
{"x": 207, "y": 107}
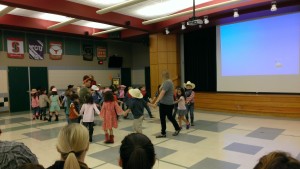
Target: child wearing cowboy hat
{"x": 136, "y": 106}
{"x": 190, "y": 95}
{"x": 35, "y": 104}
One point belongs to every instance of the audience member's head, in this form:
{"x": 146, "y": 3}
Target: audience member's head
{"x": 136, "y": 152}
{"x": 15, "y": 154}
{"x": 73, "y": 143}
{"x": 31, "y": 166}
{"x": 277, "y": 160}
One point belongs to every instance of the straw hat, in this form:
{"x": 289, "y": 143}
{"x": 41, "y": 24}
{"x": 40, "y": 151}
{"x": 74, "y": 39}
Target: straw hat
{"x": 189, "y": 83}
{"x": 136, "y": 93}
{"x": 33, "y": 91}
{"x": 95, "y": 88}
{"x": 54, "y": 90}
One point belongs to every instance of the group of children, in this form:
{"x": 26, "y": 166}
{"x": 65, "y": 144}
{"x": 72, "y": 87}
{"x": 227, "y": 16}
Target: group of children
{"x": 107, "y": 104}
{"x": 39, "y": 101}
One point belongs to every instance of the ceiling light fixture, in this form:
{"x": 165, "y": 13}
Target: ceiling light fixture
{"x": 236, "y": 13}
{"x": 206, "y": 21}
{"x": 184, "y": 13}
{"x": 167, "y": 31}
{"x": 108, "y": 31}
{"x": 183, "y": 26}
{"x": 273, "y": 6}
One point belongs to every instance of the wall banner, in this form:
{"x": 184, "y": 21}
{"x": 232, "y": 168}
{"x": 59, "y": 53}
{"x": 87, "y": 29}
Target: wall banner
{"x": 15, "y": 48}
{"x": 36, "y": 49}
{"x": 87, "y": 52}
{"x": 55, "y": 50}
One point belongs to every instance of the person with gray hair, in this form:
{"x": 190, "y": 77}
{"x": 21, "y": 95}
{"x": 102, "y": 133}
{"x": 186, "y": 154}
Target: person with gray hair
{"x": 15, "y": 154}
{"x": 166, "y": 104}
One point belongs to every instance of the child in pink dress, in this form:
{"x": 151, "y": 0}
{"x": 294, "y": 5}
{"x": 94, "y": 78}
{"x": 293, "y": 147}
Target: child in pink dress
{"x": 109, "y": 111}
{"x": 35, "y": 104}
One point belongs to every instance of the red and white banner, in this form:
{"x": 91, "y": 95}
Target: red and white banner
{"x": 101, "y": 53}
{"x": 55, "y": 50}
{"x": 15, "y": 48}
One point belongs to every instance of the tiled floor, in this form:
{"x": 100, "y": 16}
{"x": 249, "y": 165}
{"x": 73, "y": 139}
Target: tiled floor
{"x": 217, "y": 141}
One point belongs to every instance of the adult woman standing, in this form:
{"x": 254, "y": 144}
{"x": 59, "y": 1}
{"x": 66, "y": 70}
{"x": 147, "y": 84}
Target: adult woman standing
{"x": 72, "y": 144}
{"x": 166, "y": 105}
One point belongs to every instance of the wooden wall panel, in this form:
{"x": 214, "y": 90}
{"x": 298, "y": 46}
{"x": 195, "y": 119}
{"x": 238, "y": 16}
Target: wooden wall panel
{"x": 172, "y": 57}
{"x": 161, "y": 43}
{"x": 162, "y": 57}
{"x": 153, "y": 43}
{"x": 259, "y": 104}
{"x": 153, "y": 58}
{"x": 172, "y": 43}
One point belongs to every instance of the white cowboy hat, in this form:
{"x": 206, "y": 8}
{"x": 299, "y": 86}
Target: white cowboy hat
{"x": 54, "y": 90}
{"x": 95, "y": 88}
{"x": 33, "y": 91}
{"x": 136, "y": 93}
{"x": 189, "y": 83}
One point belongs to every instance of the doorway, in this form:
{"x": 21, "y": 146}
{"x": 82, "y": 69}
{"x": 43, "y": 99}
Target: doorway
{"x": 20, "y": 81}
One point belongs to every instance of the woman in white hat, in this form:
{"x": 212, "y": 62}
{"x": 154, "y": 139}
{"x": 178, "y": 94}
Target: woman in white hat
{"x": 166, "y": 105}
{"x": 190, "y": 99}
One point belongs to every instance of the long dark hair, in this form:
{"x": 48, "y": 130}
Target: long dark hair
{"x": 108, "y": 96}
{"x": 182, "y": 92}
{"x": 89, "y": 99}
{"x": 137, "y": 152}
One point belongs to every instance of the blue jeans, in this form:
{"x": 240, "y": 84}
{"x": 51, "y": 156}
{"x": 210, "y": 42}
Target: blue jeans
{"x": 190, "y": 109}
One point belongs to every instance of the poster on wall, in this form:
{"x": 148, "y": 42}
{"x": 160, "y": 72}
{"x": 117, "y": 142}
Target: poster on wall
{"x": 101, "y": 53}
{"x": 87, "y": 52}
{"x": 36, "y": 49}
{"x": 15, "y": 48}
{"x": 55, "y": 50}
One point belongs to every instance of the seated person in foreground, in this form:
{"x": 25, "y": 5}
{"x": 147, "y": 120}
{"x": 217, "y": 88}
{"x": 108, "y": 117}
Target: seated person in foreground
{"x": 72, "y": 144}
{"x": 137, "y": 152}
{"x": 14, "y": 154}
{"x": 277, "y": 160}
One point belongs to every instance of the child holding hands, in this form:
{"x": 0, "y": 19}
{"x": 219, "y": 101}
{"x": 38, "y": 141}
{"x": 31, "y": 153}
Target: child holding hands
{"x": 109, "y": 111}
{"x": 180, "y": 96}
{"x": 136, "y": 106}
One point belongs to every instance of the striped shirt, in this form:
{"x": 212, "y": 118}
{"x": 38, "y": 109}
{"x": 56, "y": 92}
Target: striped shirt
{"x": 190, "y": 98}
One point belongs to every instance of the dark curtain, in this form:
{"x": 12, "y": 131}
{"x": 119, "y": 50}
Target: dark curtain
{"x": 200, "y": 59}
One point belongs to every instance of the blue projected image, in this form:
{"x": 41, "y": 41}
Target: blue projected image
{"x": 268, "y": 46}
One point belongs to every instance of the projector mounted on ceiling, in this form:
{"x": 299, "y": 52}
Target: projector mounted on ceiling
{"x": 194, "y": 20}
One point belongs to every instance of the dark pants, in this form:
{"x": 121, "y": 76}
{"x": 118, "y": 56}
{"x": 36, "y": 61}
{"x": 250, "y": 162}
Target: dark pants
{"x": 190, "y": 109}
{"x": 175, "y": 111}
{"x": 43, "y": 111}
{"x": 90, "y": 127}
{"x": 166, "y": 110}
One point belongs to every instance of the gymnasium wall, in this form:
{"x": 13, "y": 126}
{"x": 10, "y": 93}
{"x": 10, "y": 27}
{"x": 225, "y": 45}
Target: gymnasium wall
{"x": 71, "y": 68}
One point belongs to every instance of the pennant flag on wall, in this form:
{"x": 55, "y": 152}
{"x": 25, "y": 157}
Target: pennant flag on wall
{"x": 87, "y": 52}
{"x": 15, "y": 48}
{"x": 55, "y": 50}
{"x": 36, "y": 49}
{"x": 101, "y": 53}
